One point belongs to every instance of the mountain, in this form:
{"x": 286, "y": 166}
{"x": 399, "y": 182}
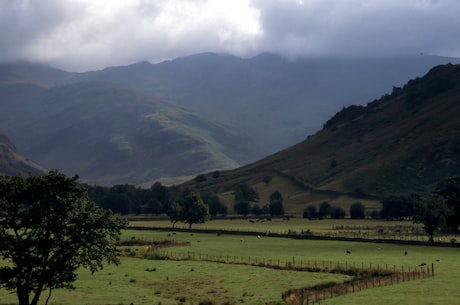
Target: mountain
{"x": 175, "y": 119}
{"x": 109, "y": 135}
{"x": 405, "y": 142}
{"x": 12, "y": 163}
{"x": 274, "y": 100}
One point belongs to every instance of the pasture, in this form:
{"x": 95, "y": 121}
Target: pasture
{"x": 144, "y": 281}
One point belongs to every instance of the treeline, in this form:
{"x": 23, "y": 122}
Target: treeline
{"x": 158, "y": 199}
{"x": 439, "y": 210}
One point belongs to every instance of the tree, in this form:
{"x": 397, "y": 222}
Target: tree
{"x": 194, "y": 210}
{"x": 48, "y": 229}
{"x": 157, "y": 198}
{"x": 357, "y": 211}
{"x": 449, "y": 190}
{"x": 337, "y": 213}
{"x": 394, "y": 207}
{"x": 432, "y": 212}
{"x": 214, "y": 205}
{"x": 174, "y": 213}
{"x": 324, "y": 209}
{"x": 310, "y": 212}
{"x": 276, "y": 204}
{"x": 243, "y": 196}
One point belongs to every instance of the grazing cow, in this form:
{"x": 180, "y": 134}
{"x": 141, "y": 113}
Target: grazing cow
{"x": 348, "y": 252}
{"x": 405, "y": 252}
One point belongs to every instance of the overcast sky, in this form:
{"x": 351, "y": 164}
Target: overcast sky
{"x": 80, "y": 35}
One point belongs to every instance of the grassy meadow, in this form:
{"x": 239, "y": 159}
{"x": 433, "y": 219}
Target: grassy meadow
{"x": 138, "y": 280}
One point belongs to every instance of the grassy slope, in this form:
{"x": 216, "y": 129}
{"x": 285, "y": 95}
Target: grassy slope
{"x": 110, "y": 135}
{"x": 404, "y": 143}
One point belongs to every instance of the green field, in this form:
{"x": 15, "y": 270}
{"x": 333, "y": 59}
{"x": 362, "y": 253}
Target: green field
{"x": 144, "y": 281}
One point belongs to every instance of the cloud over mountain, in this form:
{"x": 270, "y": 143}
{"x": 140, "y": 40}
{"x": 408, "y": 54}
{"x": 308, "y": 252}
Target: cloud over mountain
{"x": 84, "y": 35}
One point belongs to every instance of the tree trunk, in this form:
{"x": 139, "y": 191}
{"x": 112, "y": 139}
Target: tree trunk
{"x": 37, "y": 295}
{"x": 23, "y": 296}
{"x": 431, "y": 239}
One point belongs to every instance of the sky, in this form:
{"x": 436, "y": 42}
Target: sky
{"x": 82, "y": 35}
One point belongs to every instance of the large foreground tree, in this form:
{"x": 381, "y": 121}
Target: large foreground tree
{"x": 48, "y": 229}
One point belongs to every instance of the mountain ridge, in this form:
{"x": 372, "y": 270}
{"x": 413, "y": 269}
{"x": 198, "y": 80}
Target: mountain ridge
{"x": 405, "y": 142}
{"x": 254, "y": 107}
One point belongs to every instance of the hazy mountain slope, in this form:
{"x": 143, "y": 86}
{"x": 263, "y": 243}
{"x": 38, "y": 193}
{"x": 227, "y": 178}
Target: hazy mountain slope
{"x": 404, "y": 143}
{"x": 106, "y": 126}
{"x": 268, "y": 95}
{"x": 12, "y": 163}
{"x": 110, "y": 135}
{"x": 32, "y": 73}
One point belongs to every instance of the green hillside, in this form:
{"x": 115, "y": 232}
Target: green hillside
{"x": 109, "y": 135}
{"x": 405, "y": 142}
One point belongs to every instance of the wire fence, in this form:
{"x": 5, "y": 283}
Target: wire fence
{"x": 364, "y": 276}
{"x": 316, "y": 295}
{"x": 355, "y": 233}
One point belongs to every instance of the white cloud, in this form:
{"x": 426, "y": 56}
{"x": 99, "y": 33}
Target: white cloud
{"x": 91, "y": 34}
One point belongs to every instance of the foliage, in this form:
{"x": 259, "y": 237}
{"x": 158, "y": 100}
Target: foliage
{"x": 357, "y": 211}
{"x": 449, "y": 190}
{"x": 324, "y": 209}
{"x": 345, "y": 115}
{"x": 194, "y": 210}
{"x": 257, "y": 210}
{"x": 432, "y": 212}
{"x": 174, "y": 212}
{"x": 310, "y": 212}
{"x": 337, "y": 213}
{"x": 214, "y": 204}
{"x": 48, "y": 229}
{"x": 128, "y": 199}
{"x": 243, "y": 196}
{"x": 276, "y": 204}
{"x": 200, "y": 178}
{"x": 395, "y": 207}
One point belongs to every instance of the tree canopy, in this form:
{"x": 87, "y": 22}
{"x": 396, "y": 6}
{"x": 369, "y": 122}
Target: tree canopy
{"x": 194, "y": 210}
{"x": 276, "y": 204}
{"x": 432, "y": 212}
{"x": 48, "y": 229}
{"x": 243, "y": 196}
{"x": 357, "y": 211}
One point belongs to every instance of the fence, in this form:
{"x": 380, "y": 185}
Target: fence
{"x": 315, "y": 295}
{"x": 337, "y": 234}
{"x": 365, "y": 276}
{"x": 292, "y": 263}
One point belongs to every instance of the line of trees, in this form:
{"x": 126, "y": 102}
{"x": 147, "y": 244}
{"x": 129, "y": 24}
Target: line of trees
{"x": 157, "y": 200}
{"x": 246, "y": 201}
{"x": 325, "y": 210}
{"x": 439, "y": 211}
{"x": 160, "y": 199}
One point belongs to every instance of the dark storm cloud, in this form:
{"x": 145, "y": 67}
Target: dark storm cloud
{"x": 24, "y": 23}
{"x": 92, "y": 34}
{"x": 360, "y": 27}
